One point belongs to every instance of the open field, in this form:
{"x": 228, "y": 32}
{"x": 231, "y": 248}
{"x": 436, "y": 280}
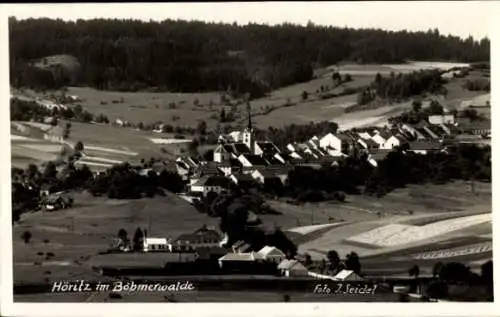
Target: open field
{"x": 416, "y": 205}
{"x": 76, "y": 235}
{"x": 148, "y": 107}
{"x": 104, "y": 145}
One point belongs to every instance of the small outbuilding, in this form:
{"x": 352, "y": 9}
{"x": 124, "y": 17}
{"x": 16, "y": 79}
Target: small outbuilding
{"x": 347, "y": 275}
{"x": 290, "y": 268}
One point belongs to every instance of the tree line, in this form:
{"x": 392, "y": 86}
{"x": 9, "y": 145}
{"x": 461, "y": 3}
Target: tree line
{"x": 121, "y": 181}
{"x": 198, "y": 56}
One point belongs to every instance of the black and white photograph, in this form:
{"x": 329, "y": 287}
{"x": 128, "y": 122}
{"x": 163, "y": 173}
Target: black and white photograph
{"x": 251, "y": 152}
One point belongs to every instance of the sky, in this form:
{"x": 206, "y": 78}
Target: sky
{"x": 462, "y": 18}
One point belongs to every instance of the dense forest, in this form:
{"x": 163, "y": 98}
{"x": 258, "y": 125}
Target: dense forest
{"x": 198, "y": 56}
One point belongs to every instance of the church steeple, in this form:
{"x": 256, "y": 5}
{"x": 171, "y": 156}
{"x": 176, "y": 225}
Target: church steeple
{"x": 248, "y": 132}
{"x": 249, "y": 113}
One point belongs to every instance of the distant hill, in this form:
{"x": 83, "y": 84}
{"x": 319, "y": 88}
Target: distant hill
{"x": 193, "y": 56}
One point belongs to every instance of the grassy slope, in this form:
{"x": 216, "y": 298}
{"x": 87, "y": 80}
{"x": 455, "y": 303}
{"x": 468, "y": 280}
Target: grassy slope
{"x": 80, "y": 233}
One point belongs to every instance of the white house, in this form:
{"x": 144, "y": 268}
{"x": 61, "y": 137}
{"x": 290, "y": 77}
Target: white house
{"x": 213, "y": 183}
{"x": 347, "y": 275}
{"x": 439, "y": 119}
{"x": 290, "y": 268}
{"x": 381, "y": 137}
{"x": 156, "y": 244}
{"x": 272, "y": 254}
{"x": 393, "y": 141}
{"x": 330, "y": 140}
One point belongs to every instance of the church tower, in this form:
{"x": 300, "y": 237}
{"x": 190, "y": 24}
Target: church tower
{"x": 248, "y": 131}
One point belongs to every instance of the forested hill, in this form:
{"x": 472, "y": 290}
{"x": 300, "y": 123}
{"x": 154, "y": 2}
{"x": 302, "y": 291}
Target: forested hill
{"x": 197, "y": 56}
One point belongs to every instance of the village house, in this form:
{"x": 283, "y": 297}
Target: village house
{"x": 340, "y": 142}
{"x": 413, "y": 131}
{"x": 252, "y": 160}
{"x": 242, "y": 180}
{"x": 224, "y": 152}
{"x": 365, "y": 135}
{"x": 368, "y": 144}
{"x": 376, "y": 156}
{"x": 210, "y": 183}
{"x": 381, "y": 137}
{"x": 394, "y": 141}
{"x": 347, "y": 276}
{"x": 291, "y": 268}
{"x": 265, "y": 147}
{"x": 264, "y": 177}
{"x": 272, "y": 254}
{"x": 439, "y": 119}
{"x": 186, "y": 165}
{"x": 201, "y": 238}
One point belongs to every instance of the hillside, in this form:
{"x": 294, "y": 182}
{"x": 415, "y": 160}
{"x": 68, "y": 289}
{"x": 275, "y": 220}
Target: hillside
{"x": 130, "y": 55}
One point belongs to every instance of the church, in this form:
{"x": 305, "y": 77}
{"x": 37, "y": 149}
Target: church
{"x": 242, "y": 146}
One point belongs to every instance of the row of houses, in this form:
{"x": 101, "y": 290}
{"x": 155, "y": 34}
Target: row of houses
{"x": 238, "y": 159}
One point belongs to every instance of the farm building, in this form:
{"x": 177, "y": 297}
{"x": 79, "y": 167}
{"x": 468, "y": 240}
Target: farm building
{"x": 291, "y": 268}
{"x": 347, "y": 275}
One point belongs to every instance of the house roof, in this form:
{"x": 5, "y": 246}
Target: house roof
{"x": 267, "y": 147}
{"x": 425, "y": 145}
{"x": 344, "y": 137}
{"x": 250, "y": 256}
{"x": 384, "y": 134}
{"x": 241, "y": 148}
{"x": 291, "y": 265}
{"x": 270, "y": 250}
{"x": 212, "y": 180}
{"x": 200, "y": 235}
{"x": 155, "y": 240}
{"x": 255, "y": 159}
{"x": 240, "y": 177}
{"x": 344, "y": 274}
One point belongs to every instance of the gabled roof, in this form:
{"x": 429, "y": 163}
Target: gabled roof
{"x": 255, "y": 159}
{"x": 251, "y": 256}
{"x": 384, "y": 134}
{"x": 148, "y": 240}
{"x": 267, "y": 147}
{"x": 241, "y": 148}
{"x": 291, "y": 264}
{"x": 212, "y": 180}
{"x": 199, "y": 236}
{"x": 270, "y": 250}
{"x": 344, "y": 274}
